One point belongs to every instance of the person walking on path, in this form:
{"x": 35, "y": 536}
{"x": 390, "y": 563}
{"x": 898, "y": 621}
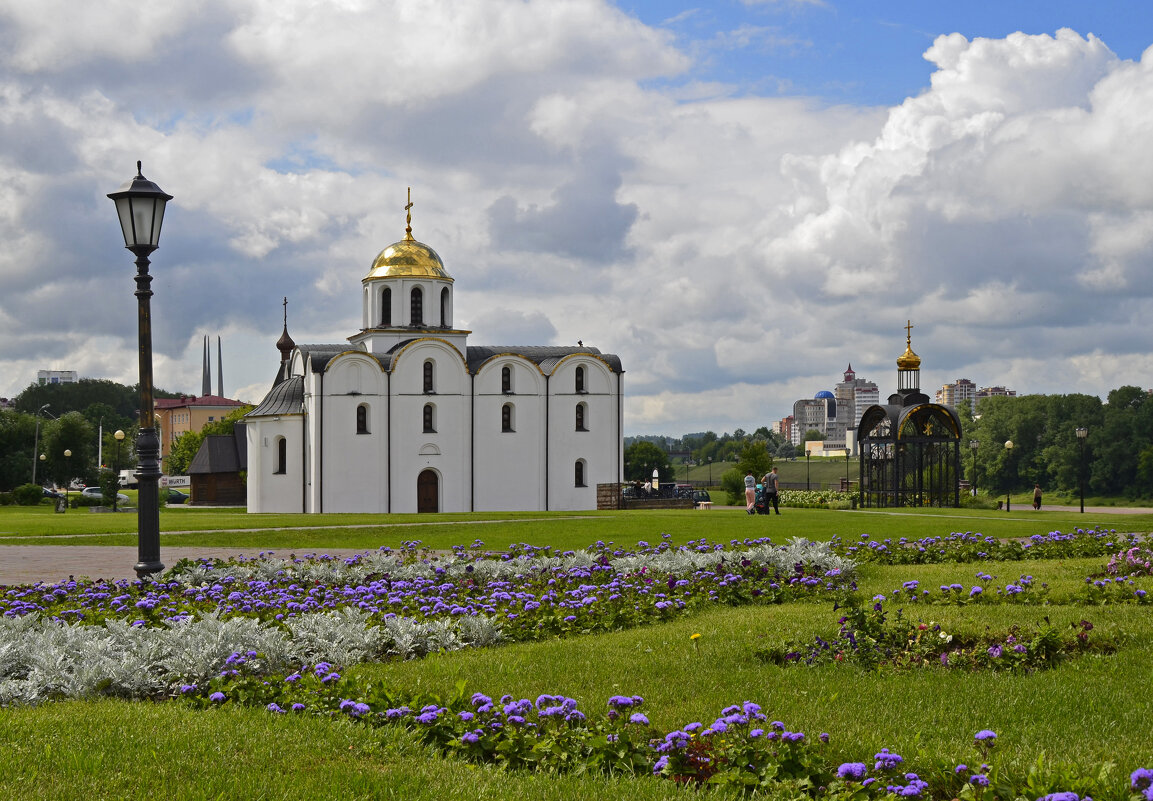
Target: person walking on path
{"x": 1037, "y": 497}
{"x": 772, "y": 486}
{"x": 750, "y": 492}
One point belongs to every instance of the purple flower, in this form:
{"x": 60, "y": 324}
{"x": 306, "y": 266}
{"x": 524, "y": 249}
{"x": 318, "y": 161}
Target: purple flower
{"x": 217, "y": 697}
{"x": 1065, "y": 796}
{"x": 961, "y": 768}
{"x": 274, "y": 707}
{"x": 639, "y": 719}
{"x": 854, "y": 771}
{"x": 979, "y": 780}
{"x": 995, "y": 652}
{"x": 1141, "y": 778}
{"x": 984, "y": 735}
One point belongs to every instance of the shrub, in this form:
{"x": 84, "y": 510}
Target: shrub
{"x": 6, "y": 499}
{"x": 28, "y": 494}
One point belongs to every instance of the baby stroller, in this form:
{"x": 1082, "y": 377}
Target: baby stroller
{"x": 760, "y": 501}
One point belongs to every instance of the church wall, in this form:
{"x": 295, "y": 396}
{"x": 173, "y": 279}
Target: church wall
{"x": 267, "y": 490}
{"x": 444, "y": 450}
{"x": 353, "y": 481}
{"x": 509, "y": 473}
{"x": 597, "y": 447}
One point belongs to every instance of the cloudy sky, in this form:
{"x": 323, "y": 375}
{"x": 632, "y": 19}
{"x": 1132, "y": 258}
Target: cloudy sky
{"x": 738, "y": 198}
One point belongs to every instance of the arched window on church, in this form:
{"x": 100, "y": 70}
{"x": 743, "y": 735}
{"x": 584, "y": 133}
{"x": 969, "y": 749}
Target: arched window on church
{"x": 429, "y": 385}
{"x": 362, "y": 419}
{"x": 429, "y": 418}
{"x": 416, "y": 308}
{"x": 580, "y": 379}
{"x": 386, "y": 306}
{"x": 506, "y": 380}
{"x": 579, "y": 471}
{"x": 582, "y": 417}
{"x": 281, "y": 456}
{"x": 507, "y": 418}
{"x": 444, "y": 321}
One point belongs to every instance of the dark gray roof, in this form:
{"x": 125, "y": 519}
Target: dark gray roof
{"x": 221, "y": 453}
{"x": 547, "y": 356}
{"x": 287, "y": 397}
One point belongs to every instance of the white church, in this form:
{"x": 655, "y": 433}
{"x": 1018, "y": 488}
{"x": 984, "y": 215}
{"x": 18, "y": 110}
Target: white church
{"x": 408, "y": 417}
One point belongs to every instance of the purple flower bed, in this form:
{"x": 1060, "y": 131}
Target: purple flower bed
{"x": 974, "y": 547}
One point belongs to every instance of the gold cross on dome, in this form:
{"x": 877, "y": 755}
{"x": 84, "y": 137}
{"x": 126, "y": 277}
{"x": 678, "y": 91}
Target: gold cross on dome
{"x": 408, "y": 215}
{"x": 909, "y": 331}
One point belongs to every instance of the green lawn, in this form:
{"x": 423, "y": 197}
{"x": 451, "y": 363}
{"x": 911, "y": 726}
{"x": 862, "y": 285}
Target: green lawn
{"x": 1084, "y": 712}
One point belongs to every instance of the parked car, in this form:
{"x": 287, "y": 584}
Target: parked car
{"x": 701, "y": 496}
{"x": 96, "y": 492}
{"x": 176, "y": 496}
{"x": 51, "y": 493}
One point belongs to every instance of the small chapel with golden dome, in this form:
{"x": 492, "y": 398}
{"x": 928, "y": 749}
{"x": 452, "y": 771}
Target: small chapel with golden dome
{"x": 910, "y": 447}
{"x": 406, "y": 416}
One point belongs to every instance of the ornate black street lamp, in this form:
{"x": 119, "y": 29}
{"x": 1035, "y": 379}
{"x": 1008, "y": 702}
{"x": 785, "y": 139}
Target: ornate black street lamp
{"x": 807, "y": 454}
{"x": 140, "y": 205}
{"x": 973, "y": 444}
{"x": 1009, "y": 464}
{"x": 36, "y": 440}
{"x": 1081, "y": 434}
{"x": 710, "y": 471}
{"x": 119, "y": 437}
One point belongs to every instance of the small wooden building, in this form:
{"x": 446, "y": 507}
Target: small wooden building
{"x": 217, "y": 471}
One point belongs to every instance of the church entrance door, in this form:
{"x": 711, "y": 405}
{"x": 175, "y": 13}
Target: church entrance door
{"x": 427, "y": 492}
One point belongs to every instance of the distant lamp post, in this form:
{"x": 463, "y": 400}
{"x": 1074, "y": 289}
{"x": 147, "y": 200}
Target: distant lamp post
{"x": 710, "y": 471}
{"x": 973, "y": 445}
{"x": 119, "y": 437}
{"x": 1081, "y": 434}
{"x": 1009, "y": 463}
{"x": 140, "y": 205}
{"x": 846, "y": 469}
{"x": 808, "y": 453}
{"x": 67, "y": 478}
{"x": 36, "y": 440}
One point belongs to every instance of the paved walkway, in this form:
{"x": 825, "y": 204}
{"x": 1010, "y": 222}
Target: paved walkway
{"x": 27, "y": 564}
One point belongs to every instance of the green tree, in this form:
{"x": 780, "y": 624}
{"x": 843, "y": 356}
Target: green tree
{"x": 72, "y": 432}
{"x": 17, "y": 432}
{"x": 755, "y": 457}
{"x": 813, "y": 435}
{"x": 641, "y": 458}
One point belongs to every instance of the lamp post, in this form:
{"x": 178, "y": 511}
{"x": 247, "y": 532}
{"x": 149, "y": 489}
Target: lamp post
{"x": 1081, "y": 434}
{"x": 36, "y": 440}
{"x": 140, "y": 205}
{"x": 710, "y": 471}
{"x": 846, "y": 469}
{"x": 119, "y": 437}
{"x": 67, "y": 479}
{"x": 807, "y": 454}
{"x": 973, "y": 444}
{"x": 1009, "y": 463}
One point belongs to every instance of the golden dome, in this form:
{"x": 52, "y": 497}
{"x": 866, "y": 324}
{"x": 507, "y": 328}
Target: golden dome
{"x": 909, "y": 360}
{"x": 408, "y": 259}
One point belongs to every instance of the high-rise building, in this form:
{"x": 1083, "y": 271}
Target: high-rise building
{"x": 953, "y": 394}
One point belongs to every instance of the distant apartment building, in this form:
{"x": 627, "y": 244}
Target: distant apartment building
{"x": 785, "y": 427}
{"x": 990, "y": 392}
{"x": 835, "y": 414}
{"x": 56, "y": 377}
{"x": 952, "y": 394}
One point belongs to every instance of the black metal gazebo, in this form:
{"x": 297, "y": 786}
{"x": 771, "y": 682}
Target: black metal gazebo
{"x": 910, "y": 456}
{"x": 910, "y": 448}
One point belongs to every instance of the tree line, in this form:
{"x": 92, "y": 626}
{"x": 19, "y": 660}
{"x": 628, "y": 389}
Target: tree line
{"x": 80, "y": 418}
{"x": 1115, "y": 458}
